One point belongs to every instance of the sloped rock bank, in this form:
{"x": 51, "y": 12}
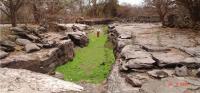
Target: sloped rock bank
{"x": 150, "y": 59}
{"x": 40, "y": 50}
{"x": 23, "y": 81}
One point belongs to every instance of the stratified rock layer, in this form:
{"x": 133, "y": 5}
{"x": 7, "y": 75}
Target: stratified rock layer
{"x": 151, "y": 59}
{"x": 43, "y": 61}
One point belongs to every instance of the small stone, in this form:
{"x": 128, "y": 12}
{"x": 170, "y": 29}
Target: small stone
{"x": 181, "y": 71}
{"x": 23, "y": 42}
{"x": 59, "y": 75}
{"x": 31, "y": 48}
{"x": 133, "y": 81}
{"x": 158, "y": 74}
{"x": 3, "y": 54}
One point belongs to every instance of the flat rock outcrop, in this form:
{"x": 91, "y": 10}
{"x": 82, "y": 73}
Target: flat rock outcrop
{"x": 23, "y": 81}
{"x": 151, "y": 59}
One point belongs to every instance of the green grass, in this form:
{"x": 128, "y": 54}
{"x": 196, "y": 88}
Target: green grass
{"x": 91, "y": 64}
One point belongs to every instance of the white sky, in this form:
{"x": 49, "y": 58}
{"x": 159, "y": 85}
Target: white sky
{"x": 133, "y": 2}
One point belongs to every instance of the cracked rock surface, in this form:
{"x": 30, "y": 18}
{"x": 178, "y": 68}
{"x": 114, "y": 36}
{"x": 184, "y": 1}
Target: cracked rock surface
{"x": 151, "y": 59}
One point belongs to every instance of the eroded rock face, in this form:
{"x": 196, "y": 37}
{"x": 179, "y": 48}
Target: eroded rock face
{"x": 23, "y": 81}
{"x": 150, "y": 59}
{"x": 43, "y": 61}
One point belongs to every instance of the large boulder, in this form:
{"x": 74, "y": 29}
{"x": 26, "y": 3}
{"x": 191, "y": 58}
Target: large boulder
{"x": 23, "y": 81}
{"x": 79, "y": 38}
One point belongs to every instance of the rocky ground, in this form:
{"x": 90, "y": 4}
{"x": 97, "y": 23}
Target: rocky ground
{"x": 150, "y": 59}
{"x": 38, "y": 49}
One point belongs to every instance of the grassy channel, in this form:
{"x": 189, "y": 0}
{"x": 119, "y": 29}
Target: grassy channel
{"x": 91, "y": 64}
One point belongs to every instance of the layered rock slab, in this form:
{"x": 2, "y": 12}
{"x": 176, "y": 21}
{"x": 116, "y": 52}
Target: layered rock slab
{"x": 23, "y": 81}
{"x": 158, "y": 50}
{"x": 136, "y": 58}
{"x": 43, "y": 61}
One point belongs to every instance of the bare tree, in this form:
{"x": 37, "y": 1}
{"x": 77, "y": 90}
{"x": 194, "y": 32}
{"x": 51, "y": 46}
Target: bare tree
{"x": 194, "y": 9}
{"x": 10, "y": 8}
{"x": 162, "y": 7}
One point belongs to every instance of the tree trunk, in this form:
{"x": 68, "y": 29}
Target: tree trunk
{"x": 36, "y": 14}
{"x": 13, "y": 18}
